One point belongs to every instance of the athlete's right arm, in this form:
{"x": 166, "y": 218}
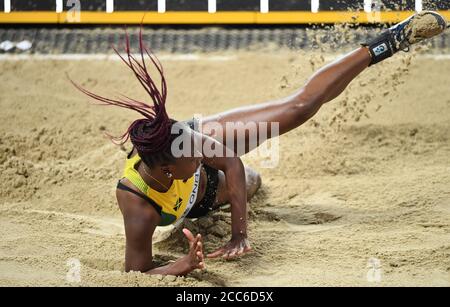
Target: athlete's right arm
{"x": 140, "y": 223}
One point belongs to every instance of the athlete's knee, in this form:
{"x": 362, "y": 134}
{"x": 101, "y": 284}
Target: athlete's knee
{"x": 253, "y": 182}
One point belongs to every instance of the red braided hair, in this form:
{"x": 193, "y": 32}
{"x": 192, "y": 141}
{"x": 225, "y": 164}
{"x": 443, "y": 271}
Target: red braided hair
{"x": 151, "y": 134}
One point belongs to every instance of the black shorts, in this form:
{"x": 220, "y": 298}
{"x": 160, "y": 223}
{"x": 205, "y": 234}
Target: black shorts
{"x": 206, "y": 204}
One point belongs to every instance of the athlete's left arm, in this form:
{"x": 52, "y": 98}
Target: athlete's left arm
{"x": 225, "y": 160}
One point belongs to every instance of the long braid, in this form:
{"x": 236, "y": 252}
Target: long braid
{"x": 150, "y": 134}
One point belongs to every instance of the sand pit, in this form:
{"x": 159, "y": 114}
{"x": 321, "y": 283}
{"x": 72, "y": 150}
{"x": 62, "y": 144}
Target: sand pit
{"x": 367, "y": 178}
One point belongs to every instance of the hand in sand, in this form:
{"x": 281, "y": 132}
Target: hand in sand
{"x": 234, "y": 248}
{"x": 195, "y": 258}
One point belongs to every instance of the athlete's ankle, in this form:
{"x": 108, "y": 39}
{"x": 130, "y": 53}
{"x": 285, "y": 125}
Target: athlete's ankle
{"x": 401, "y": 36}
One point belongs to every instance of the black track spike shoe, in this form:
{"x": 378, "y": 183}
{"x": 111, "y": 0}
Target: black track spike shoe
{"x": 416, "y": 28}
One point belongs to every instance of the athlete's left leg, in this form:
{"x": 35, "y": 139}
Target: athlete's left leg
{"x": 325, "y": 85}
{"x": 292, "y": 111}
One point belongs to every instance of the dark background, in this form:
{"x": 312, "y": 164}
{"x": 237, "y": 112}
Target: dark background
{"x": 222, "y": 5}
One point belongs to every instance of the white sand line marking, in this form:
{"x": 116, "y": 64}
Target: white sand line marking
{"x": 109, "y": 6}
{"x": 59, "y": 6}
{"x": 7, "y": 6}
{"x": 106, "y": 226}
{"x": 264, "y": 6}
{"x": 315, "y": 4}
{"x": 368, "y": 6}
{"x": 161, "y": 6}
{"x": 436, "y": 57}
{"x": 313, "y": 228}
{"x": 418, "y": 6}
{"x": 212, "y": 6}
{"x": 163, "y": 57}
{"x": 111, "y": 57}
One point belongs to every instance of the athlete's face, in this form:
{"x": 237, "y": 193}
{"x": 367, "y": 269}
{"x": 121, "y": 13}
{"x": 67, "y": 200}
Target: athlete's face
{"x": 185, "y": 167}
